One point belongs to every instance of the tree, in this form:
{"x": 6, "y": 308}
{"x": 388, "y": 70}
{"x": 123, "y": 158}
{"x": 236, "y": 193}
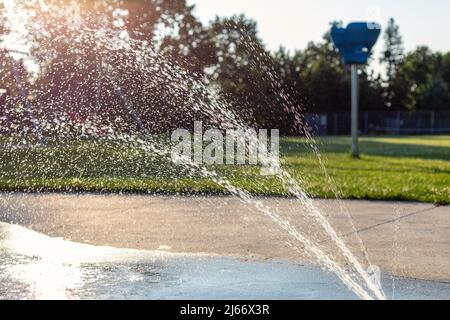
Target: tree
{"x": 435, "y": 96}
{"x": 291, "y": 67}
{"x": 422, "y": 80}
{"x": 325, "y": 82}
{"x": 191, "y": 46}
{"x": 152, "y": 69}
{"x": 16, "y": 110}
{"x": 415, "y": 77}
{"x": 392, "y": 56}
{"x": 247, "y": 76}
{"x": 324, "y": 76}
{"x": 446, "y": 68}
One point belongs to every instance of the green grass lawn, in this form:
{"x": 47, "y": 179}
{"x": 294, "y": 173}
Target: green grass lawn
{"x": 390, "y": 168}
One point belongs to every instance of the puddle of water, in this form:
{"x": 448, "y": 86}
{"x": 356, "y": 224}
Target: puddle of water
{"x": 34, "y": 266}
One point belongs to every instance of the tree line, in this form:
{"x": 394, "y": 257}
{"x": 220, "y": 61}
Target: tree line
{"x": 265, "y": 89}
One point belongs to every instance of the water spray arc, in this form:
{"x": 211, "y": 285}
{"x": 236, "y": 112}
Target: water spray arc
{"x": 127, "y": 104}
{"x": 208, "y": 104}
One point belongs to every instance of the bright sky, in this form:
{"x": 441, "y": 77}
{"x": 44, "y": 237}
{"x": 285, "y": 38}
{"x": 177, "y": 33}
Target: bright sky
{"x": 293, "y": 23}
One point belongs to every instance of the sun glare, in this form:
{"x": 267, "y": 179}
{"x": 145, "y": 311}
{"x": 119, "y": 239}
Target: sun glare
{"x": 16, "y": 21}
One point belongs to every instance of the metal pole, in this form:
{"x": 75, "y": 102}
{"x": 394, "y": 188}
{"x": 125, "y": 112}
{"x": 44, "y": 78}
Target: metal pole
{"x": 128, "y": 105}
{"x": 355, "y": 149}
{"x": 432, "y": 120}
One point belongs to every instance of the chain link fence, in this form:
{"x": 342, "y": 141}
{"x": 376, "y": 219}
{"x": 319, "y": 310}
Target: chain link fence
{"x": 377, "y": 122}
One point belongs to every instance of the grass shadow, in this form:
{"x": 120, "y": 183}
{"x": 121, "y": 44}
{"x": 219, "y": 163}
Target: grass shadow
{"x": 384, "y": 148}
